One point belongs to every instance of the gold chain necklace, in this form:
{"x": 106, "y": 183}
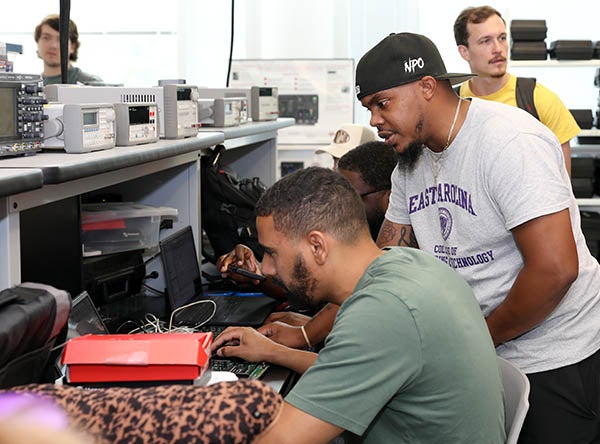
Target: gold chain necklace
{"x": 436, "y": 161}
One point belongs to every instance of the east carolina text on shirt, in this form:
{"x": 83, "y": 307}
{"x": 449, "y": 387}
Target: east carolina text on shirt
{"x": 444, "y": 192}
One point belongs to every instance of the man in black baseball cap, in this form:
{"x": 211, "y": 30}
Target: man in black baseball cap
{"x": 406, "y": 62}
{"x": 483, "y": 186}
{"x": 399, "y": 59}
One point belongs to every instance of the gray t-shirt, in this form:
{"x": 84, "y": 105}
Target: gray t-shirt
{"x": 503, "y": 169}
{"x": 409, "y": 359}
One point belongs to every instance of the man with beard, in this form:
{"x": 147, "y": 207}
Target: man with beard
{"x": 480, "y": 34}
{"x": 47, "y": 38}
{"x": 483, "y": 187}
{"x": 398, "y": 364}
{"x": 368, "y": 167}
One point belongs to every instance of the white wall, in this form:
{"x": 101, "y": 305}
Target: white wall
{"x": 132, "y": 42}
{"x": 137, "y": 42}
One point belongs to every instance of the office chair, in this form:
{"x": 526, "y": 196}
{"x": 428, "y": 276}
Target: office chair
{"x": 516, "y": 398}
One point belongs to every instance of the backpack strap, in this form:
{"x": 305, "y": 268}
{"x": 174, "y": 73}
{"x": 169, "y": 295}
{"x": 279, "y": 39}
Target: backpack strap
{"x": 524, "y": 95}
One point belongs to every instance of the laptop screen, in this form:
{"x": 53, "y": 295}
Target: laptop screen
{"x": 84, "y": 318}
{"x": 181, "y": 268}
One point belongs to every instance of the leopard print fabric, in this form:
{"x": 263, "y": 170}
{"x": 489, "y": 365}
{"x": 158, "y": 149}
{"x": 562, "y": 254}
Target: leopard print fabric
{"x": 226, "y": 412}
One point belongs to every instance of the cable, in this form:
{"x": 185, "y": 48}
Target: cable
{"x": 152, "y": 275}
{"x": 231, "y": 43}
{"x": 58, "y": 127}
{"x": 199, "y": 324}
{"x": 154, "y": 290}
{"x": 63, "y": 27}
{"x": 151, "y": 258}
{"x": 56, "y": 347}
{"x": 129, "y": 321}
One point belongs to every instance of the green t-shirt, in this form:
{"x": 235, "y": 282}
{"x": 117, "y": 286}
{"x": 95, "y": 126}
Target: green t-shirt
{"x": 74, "y": 75}
{"x": 409, "y": 359}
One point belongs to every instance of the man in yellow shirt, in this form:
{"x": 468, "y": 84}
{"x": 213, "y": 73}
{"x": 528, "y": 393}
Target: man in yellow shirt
{"x": 480, "y": 34}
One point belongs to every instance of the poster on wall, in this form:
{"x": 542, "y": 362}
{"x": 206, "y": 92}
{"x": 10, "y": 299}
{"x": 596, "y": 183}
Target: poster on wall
{"x": 318, "y": 93}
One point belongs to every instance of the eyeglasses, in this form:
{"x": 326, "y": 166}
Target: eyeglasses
{"x": 362, "y": 195}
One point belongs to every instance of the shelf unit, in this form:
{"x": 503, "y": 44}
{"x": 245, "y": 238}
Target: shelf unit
{"x": 590, "y": 132}
{"x": 553, "y": 63}
{"x": 590, "y": 204}
{"x": 40, "y": 225}
{"x": 578, "y": 92}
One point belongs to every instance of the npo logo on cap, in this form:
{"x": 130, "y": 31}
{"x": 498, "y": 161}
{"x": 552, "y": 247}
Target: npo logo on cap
{"x": 412, "y": 64}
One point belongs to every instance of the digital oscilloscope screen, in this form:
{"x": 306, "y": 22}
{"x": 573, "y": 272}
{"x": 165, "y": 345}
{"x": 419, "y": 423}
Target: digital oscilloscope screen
{"x": 7, "y": 113}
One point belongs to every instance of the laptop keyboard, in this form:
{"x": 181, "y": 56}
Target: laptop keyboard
{"x": 239, "y": 367}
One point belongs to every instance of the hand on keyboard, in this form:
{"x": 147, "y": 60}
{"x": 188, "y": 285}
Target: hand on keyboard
{"x": 245, "y": 343}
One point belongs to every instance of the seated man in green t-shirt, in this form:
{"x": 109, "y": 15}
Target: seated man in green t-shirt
{"x": 369, "y": 168}
{"x": 409, "y": 357}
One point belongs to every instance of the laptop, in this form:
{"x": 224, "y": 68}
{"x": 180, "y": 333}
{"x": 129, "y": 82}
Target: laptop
{"x": 184, "y": 286}
{"x": 84, "y": 318}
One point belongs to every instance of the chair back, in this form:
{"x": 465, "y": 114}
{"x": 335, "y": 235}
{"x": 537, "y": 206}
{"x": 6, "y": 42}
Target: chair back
{"x": 516, "y": 398}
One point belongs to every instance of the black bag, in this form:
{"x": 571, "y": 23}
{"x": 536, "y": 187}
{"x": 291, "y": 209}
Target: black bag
{"x": 228, "y": 202}
{"x": 33, "y": 319}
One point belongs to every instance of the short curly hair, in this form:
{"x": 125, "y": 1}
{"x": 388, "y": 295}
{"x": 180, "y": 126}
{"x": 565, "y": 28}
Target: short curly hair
{"x": 315, "y": 198}
{"x": 374, "y": 161}
{"x": 53, "y": 20}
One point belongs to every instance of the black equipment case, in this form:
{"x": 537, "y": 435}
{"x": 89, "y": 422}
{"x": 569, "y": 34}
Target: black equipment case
{"x": 528, "y": 30}
{"x": 530, "y": 50}
{"x": 583, "y": 117}
{"x": 583, "y": 188}
{"x": 596, "y": 51}
{"x": 571, "y": 50}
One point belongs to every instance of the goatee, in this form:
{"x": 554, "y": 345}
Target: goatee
{"x": 408, "y": 158}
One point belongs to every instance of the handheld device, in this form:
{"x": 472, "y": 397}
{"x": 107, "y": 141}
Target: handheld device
{"x": 235, "y": 269}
